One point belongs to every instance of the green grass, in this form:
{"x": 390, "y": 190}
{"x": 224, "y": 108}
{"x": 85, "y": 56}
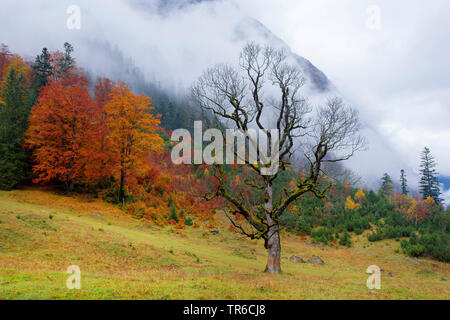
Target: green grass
{"x": 123, "y": 258}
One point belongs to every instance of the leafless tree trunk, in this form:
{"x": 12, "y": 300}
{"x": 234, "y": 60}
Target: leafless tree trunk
{"x": 273, "y": 235}
{"x": 264, "y": 93}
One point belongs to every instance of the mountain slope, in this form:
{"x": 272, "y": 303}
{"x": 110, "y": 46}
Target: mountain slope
{"x": 250, "y": 29}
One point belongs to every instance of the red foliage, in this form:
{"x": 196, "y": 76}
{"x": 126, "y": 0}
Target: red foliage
{"x": 60, "y": 131}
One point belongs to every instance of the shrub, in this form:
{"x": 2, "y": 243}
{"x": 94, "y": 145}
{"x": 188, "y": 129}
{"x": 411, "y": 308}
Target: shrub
{"x": 188, "y": 221}
{"x": 173, "y": 213}
{"x": 376, "y": 236}
{"x": 415, "y": 250}
{"x": 111, "y": 195}
{"x": 433, "y": 245}
{"x": 304, "y": 226}
{"x": 322, "y": 235}
{"x": 345, "y": 240}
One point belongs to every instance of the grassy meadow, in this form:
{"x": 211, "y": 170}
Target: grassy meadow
{"x": 42, "y": 233}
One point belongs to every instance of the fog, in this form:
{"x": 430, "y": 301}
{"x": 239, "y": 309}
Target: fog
{"x": 393, "y": 68}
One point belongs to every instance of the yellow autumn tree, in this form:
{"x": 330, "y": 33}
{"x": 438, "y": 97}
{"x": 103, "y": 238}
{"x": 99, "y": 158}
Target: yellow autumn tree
{"x": 360, "y": 197}
{"x": 413, "y": 206}
{"x": 429, "y": 202}
{"x": 18, "y": 65}
{"x": 131, "y": 130}
{"x": 351, "y": 205}
{"x": 416, "y": 211}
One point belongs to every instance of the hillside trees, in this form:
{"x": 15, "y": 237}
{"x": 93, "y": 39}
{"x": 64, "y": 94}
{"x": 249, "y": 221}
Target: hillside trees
{"x": 238, "y": 97}
{"x": 131, "y": 131}
{"x": 14, "y": 113}
{"x": 74, "y": 141}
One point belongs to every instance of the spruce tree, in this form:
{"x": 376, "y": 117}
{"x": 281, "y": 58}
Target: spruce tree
{"x": 428, "y": 183}
{"x": 66, "y": 62}
{"x": 14, "y": 113}
{"x": 41, "y": 70}
{"x": 403, "y": 182}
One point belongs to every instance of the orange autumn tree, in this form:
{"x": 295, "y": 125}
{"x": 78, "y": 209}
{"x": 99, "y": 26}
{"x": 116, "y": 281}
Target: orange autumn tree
{"x": 131, "y": 131}
{"x": 60, "y": 129}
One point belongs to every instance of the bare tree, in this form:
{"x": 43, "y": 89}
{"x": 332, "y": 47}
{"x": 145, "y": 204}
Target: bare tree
{"x": 266, "y": 89}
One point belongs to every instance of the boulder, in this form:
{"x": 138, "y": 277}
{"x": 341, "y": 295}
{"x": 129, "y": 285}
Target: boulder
{"x": 316, "y": 260}
{"x": 414, "y": 261}
{"x": 214, "y": 232}
{"x": 296, "y": 259}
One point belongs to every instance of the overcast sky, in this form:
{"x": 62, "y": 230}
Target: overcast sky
{"x": 390, "y": 59}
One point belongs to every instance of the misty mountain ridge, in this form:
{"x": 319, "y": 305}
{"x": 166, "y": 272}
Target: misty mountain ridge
{"x": 252, "y": 28}
{"x": 242, "y": 31}
{"x": 165, "y": 6}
